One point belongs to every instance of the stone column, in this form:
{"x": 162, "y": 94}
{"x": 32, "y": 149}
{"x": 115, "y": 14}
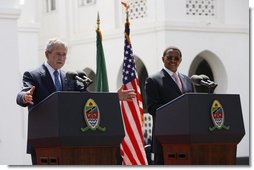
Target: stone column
{"x": 12, "y": 148}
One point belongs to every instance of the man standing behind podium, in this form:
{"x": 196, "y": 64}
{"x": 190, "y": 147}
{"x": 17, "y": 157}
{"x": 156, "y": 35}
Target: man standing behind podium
{"x": 165, "y": 86}
{"x": 48, "y": 78}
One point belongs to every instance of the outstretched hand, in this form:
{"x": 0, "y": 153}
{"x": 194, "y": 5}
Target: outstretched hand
{"x": 126, "y": 94}
{"x": 28, "y": 98}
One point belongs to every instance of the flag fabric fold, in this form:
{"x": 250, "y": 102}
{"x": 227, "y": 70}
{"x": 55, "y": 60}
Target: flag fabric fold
{"x": 132, "y": 147}
{"x": 101, "y": 71}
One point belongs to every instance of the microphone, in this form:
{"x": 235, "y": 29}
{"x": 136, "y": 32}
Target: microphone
{"x": 207, "y": 80}
{"x": 203, "y": 80}
{"x": 84, "y": 76}
{"x": 74, "y": 76}
{"x": 86, "y": 79}
{"x": 204, "y": 77}
{"x": 196, "y": 80}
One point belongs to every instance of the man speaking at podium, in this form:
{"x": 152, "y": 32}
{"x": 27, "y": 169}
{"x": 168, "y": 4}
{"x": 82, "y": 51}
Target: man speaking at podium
{"x": 48, "y": 78}
{"x": 165, "y": 86}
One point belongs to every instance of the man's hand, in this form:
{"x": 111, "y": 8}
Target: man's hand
{"x": 28, "y": 97}
{"x": 126, "y": 94}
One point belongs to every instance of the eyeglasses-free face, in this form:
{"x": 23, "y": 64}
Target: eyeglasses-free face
{"x": 56, "y": 58}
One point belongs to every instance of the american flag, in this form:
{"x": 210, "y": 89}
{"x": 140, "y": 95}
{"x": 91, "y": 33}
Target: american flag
{"x": 132, "y": 147}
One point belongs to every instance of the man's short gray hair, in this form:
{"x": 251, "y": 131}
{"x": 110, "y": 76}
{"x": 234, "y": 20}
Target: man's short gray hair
{"x": 54, "y": 42}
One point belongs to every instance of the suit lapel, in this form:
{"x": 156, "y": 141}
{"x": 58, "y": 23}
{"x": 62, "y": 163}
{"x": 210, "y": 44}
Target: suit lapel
{"x": 47, "y": 80}
{"x": 171, "y": 81}
{"x": 64, "y": 80}
{"x": 182, "y": 81}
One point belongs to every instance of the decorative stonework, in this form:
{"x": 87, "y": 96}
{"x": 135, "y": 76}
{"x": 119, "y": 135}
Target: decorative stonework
{"x": 10, "y": 13}
{"x": 200, "y": 8}
{"x": 148, "y": 125}
{"x": 137, "y": 9}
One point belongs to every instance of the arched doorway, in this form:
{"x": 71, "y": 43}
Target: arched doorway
{"x": 204, "y": 68}
{"x": 209, "y": 64}
{"x": 91, "y": 74}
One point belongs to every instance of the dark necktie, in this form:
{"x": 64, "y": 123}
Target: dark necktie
{"x": 57, "y": 82}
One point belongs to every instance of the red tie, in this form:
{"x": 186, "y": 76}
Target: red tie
{"x": 177, "y": 80}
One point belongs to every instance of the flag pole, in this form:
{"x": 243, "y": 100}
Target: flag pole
{"x": 132, "y": 146}
{"x": 98, "y": 21}
{"x": 126, "y": 11}
{"x": 101, "y": 71}
{"x": 127, "y": 24}
{"x": 98, "y": 26}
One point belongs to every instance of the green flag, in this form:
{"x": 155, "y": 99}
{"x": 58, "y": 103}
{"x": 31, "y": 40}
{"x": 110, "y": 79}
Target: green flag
{"x": 101, "y": 71}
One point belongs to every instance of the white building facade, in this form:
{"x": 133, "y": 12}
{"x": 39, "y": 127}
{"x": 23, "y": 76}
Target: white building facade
{"x": 212, "y": 33}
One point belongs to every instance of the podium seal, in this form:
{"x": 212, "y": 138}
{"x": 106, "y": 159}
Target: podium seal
{"x": 217, "y": 116}
{"x": 92, "y": 116}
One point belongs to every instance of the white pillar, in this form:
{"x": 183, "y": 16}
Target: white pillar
{"x": 28, "y": 29}
{"x": 11, "y": 137}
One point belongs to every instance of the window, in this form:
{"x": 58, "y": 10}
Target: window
{"x": 53, "y": 5}
{"x": 86, "y": 2}
{"x": 50, "y": 5}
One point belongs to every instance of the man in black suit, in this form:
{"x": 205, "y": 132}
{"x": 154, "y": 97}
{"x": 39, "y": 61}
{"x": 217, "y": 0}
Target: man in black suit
{"x": 165, "y": 86}
{"x": 41, "y": 82}
{"x": 48, "y": 78}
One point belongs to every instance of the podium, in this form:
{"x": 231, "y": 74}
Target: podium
{"x": 76, "y": 128}
{"x": 200, "y": 129}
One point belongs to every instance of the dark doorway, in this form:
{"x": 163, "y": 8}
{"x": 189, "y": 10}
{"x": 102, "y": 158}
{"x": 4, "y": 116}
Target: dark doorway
{"x": 91, "y": 74}
{"x": 204, "y": 68}
{"x": 142, "y": 75}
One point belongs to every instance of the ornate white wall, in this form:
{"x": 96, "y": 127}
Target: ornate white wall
{"x": 24, "y": 30}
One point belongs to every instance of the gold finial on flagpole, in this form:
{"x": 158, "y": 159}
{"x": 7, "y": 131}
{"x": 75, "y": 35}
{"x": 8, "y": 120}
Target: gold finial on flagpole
{"x": 126, "y": 10}
{"x": 98, "y": 21}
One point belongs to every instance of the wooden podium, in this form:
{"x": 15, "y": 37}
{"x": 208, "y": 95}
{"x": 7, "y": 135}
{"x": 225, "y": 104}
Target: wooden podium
{"x": 186, "y": 130}
{"x": 76, "y": 128}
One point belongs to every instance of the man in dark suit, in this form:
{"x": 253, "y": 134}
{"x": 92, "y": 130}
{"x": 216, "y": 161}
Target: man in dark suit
{"x": 48, "y": 78}
{"x": 41, "y": 82}
{"x": 165, "y": 86}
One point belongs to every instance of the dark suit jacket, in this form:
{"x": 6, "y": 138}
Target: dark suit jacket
{"x": 161, "y": 89}
{"x": 44, "y": 86}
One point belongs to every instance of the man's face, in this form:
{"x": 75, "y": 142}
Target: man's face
{"x": 172, "y": 60}
{"x": 56, "y": 58}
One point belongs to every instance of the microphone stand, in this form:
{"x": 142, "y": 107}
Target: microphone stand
{"x": 212, "y": 87}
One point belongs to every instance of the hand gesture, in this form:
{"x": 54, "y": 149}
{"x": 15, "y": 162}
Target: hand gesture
{"x": 28, "y": 97}
{"x": 126, "y": 94}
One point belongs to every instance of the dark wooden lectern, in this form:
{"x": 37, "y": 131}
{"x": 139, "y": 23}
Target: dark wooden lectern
{"x": 59, "y": 133}
{"x": 182, "y": 128}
